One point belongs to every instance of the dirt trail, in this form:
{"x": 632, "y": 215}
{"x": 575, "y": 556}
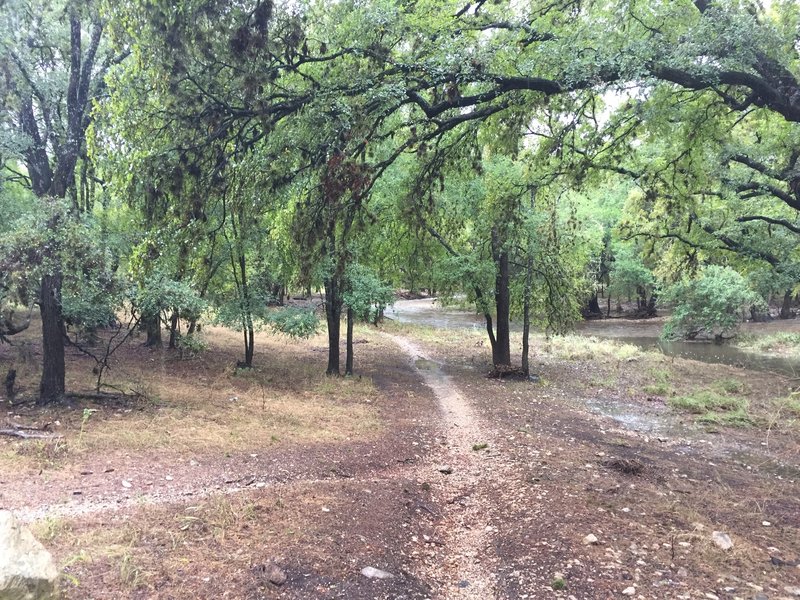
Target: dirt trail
{"x": 466, "y": 571}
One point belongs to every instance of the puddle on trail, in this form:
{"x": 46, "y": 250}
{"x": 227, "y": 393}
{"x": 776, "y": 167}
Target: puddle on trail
{"x": 635, "y": 418}
{"x": 690, "y": 438}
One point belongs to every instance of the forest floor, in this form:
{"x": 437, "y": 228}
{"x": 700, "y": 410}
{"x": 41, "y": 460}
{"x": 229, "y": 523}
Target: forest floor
{"x": 606, "y": 478}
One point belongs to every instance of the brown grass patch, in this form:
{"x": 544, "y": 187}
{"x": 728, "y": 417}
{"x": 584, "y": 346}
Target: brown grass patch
{"x": 203, "y": 404}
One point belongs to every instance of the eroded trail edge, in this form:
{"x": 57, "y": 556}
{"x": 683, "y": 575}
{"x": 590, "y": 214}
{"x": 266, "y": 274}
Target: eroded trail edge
{"x": 466, "y": 463}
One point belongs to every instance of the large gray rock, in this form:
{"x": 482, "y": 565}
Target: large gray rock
{"x": 27, "y": 571}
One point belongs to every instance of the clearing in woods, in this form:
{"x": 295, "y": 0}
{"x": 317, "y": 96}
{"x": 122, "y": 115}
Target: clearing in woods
{"x": 607, "y": 478}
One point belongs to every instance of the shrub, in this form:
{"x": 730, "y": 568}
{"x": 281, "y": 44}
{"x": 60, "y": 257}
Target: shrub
{"x": 711, "y": 306}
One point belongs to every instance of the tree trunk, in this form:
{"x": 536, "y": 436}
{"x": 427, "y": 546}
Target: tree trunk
{"x": 786, "y": 307}
{"x": 593, "y": 307}
{"x": 348, "y": 363}
{"x": 651, "y": 305}
{"x": 249, "y": 347}
{"x": 51, "y": 386}
{"x": 247, "y": 315}
{"x": 526, "y": 317}
{"x": 152, "y": 325}
{"x": 501, "y": 351}
{"x": 333, "y": 316}
{"x": 173, "y": 330}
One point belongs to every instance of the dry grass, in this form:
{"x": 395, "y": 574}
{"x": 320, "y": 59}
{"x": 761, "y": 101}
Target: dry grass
{"x": 200, "y": 405}
{"x": 193, "y": 550}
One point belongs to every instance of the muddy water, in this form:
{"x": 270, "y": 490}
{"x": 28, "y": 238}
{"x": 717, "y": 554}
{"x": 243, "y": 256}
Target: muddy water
{"x": 429, "y": 312}
{"x": 642, "y": 333}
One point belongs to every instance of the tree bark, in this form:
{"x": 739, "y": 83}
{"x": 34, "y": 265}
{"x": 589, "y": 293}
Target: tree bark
{"x": 173, "y": 330}
{"x": 501, "y": 351}
{"x": 593, "y": 306}
{"x": 786, "y": 307}
{"x": 152, "y": 325}
{"x": 348, "y": 363}
{"x": 526, "y": 317}
{"x": 51, "y": 386}
{"x": 333, "y": 316}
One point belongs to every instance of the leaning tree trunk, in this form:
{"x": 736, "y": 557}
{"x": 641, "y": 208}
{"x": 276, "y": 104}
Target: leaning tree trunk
{"x": 348, "y": 363}
{"x": 333, "y": 317}
{"x": 51, "y": 386}
{"x": 786, "y": 307}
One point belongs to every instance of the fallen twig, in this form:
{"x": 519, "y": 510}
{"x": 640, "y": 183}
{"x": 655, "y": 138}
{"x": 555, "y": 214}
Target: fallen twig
{"x": 30, "y": 435}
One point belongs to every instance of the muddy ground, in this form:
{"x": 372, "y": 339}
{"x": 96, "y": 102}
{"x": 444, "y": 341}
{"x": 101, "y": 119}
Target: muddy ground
{"x": 584, "y": 484}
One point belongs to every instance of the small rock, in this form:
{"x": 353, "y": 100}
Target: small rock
{"x": 792, "y": 590}
{"x": 373, "y": 573}
{"x": 326, "y": 509}
{"x": 629, "y": 591}
{"x": 760, "y": 596}
{"x": 590, "y": 539}
{"x": 275, "y": 574}
{"x": 682, "y": 573}
{"x": 447, "y": 470}
{"x": 126, "y": 484}
{"x": 723, "y": 540}
{"x": 271, "y": 572}
{"x": 169, "y": 478}
{"x": 711, "y": 596}
{"x": 766, "y": 523}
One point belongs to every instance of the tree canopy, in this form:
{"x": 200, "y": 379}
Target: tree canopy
{"x": 531, "y": 156}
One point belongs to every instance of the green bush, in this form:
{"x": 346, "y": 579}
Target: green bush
{"x": 294, "y": 322}
{"x": 711, "y": 306}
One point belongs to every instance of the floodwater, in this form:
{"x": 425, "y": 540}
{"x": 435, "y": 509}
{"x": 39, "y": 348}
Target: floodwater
{"x": 654, "y": 421}
{"x": 641, "y": 333}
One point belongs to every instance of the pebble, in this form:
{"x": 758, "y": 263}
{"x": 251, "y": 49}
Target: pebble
{"x": 629, "y": 591}
{"x": 275, "y": 574}
{"x": 373, "y": 573}
{"x": 447, "y": 470}
{"x": 126, "y": 483}
{"x": 590, "y": 539}
{"x": 792, "y": 590}
{"x": 766, "y": 523}
{"x": 723, "y": 540}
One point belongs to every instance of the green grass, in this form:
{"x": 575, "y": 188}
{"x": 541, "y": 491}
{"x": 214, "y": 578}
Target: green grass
{"x": 729, "y": 386}
{"x": 658, "y": 389}
{"x": 703, "y": 401}
{"x": 711, "y": 407}
{"x": 778, "y": 343}
{"x": 577, "y": 347}
{"x": 660, "y": 385}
